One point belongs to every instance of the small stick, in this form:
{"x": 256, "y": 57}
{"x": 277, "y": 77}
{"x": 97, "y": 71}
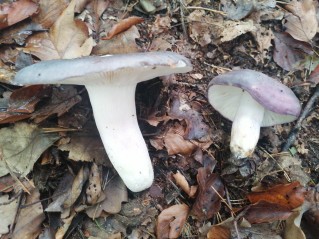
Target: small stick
{"x": 294, "y": 132}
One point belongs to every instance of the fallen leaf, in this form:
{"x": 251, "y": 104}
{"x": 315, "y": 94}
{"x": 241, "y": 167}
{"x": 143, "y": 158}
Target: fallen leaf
{"x": 49, "y": 11}
{"x": 263, "y": 211}
{"x": 6, "y": 184}
{"x": 62, "y": 100}
{"x": 24, "y": 100}
{"x": 8, "y": 211}
{"x": 94, "y": 188}
{"x": 120, "y": 44}
{"x": 77, "y": 185}
{"x": 314, "y": 76}
{"x": 11, "y": 13}
{"x": 230, "y": 29}
{"x": 66, "y": 224}
{"x": 290, "y": 195}
{"x": 61, "y": 193}
{"x": 67, "y": 38}
{"x": 86, "y": 149}
{"x": 289, "y": 53}
{"x": 21, "y": 147}
{"x": 210, "y": 191}
{"x": 30, "y": 217}
{"x": 301, "y": 22}
{"x": 115, "y": 193}
{"x": 239, "y": 9}
{"x": 122, "y": 26}
{"x": 170, "y": 221}
{"x": 219, "y": 232}
{"x": 181, "y": 108}
{"x": 182, "y": 182}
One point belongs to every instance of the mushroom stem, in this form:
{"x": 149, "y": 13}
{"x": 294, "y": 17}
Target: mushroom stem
{"x": 246, "y": 126}
{"x": 115, "y": 116}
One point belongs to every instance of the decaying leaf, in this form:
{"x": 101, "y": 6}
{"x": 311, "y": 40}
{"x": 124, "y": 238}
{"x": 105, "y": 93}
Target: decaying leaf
{"x": 121, "y": 43}
{"x": 171, "y": 221}
{"x": 228, "y": 230}
{"x": 21, "y": 147}
{"x": 239, "y": 9}
{"x": 11, "y": 13}
{"x": 182, "y": 182}
{"x": 289, "y": 53}
{"x": 87, "y": 149}
{"x": 62, "y": 99}
{"x": 8, "y": 211}
{"x": 114, "y": 194}
{"x": 30, "y": 218}
{"x": 122, "y": 26}
{"x": 94, "y": 188}
{"x": 263, "y": 211}
{"x": 231, "y": 29}
{"x": 301, "y": 22}
{"x": 61, "y": 194}
{"x": 210, "y": 191}
{"x": 68, "y": 38}
{"x": 49, "y": 11}
{"x": 24, "y": 100}
{"x": 77, "y": 186}
{"x": 288, "y": 195}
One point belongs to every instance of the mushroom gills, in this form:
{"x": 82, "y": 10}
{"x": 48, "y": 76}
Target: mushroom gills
{"x": 246, "y": 126}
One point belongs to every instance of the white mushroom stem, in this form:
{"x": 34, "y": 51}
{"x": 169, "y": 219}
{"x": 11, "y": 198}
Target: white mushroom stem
{"x": 115, "y": 116}
{"x": 246, "y": 126}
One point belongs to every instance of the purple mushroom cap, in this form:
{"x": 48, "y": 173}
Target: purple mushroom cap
{"x": 280, "y": 103}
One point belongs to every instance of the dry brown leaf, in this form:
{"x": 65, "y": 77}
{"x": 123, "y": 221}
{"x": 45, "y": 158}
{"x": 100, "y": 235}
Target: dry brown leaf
{"x": 182, "y": 182}
{"x": 77, "y": 186}
{"x": 122, "y": 26}
{"x": 290, "y": 195}
{"x": 24, "y": 100}
{"x": 49, "y": 11}
{"x": 66, "y": 224}
{"x": 11, "y": 13}
{"x": 30, "y": 218}
{"x": 68, "y": 38}
{"x": 62, "y": 100}
{"x": 114, "y": 194}
{"x": 301, "y": 22}
{"x": 219, "y": 232}
{"x": 94, "y": 188}
{"x": 120, "y": 44}
{"x": 171, "y": 221}
{"x": 87, "y": 149}
{"x": 210, "y": 191}
{"x": 230, "y": 29}
{"x": 263, "y": 211}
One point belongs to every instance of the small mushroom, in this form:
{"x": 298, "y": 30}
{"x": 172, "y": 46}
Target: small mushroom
{"x": 251, "y": 100}
{"x": 111, "y": 82}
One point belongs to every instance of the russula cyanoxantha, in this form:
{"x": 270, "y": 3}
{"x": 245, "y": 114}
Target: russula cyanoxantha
{"x": 251, "y": 100}
{"x": 111, "y": 82}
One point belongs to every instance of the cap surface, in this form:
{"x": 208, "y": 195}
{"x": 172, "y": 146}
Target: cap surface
{"x": 280, "y": 103}
{"x": 96, "y": 69}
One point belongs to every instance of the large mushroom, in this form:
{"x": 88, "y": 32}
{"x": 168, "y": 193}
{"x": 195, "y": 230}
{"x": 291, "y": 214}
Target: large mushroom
{"x": 251, "y": 100}
{"x": 111, "y": 82}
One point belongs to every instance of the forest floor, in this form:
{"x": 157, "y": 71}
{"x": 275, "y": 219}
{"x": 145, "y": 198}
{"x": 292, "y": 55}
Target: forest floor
{"x": 55, "y": 177}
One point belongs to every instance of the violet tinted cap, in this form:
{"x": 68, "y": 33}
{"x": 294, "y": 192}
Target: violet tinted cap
{"x": 280, "y": 103}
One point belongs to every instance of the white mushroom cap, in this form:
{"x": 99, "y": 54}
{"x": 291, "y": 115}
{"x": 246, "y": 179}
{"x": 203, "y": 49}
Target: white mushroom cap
{"x": 111, "y": 82}
{"x": 280, "y": 103}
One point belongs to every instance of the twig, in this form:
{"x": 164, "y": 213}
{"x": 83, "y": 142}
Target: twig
{"x": 294, "y": 132}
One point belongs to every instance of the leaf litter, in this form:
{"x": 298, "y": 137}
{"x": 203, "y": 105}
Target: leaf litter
{"x": 186, "y": 138}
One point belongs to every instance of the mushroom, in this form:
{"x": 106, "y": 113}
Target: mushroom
{"x": 111, "y": 82}
{"x": 251, "y": 100}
